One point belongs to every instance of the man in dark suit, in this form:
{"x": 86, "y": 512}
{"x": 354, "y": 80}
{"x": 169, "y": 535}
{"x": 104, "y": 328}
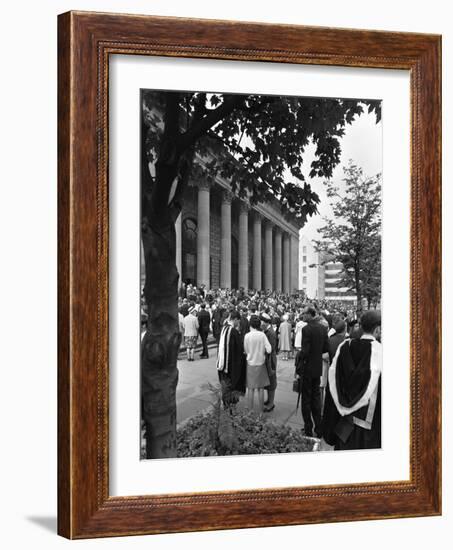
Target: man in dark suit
{"x": 315, "y": 342}
{"x": 204, "y": 320}
{"x": 336, "y": 339}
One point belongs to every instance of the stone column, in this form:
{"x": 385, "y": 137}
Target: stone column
{"x": 203, "y": 241}
{"x": 243, "y": 245}
{"x": 286, "y": 264}
{"x": 294, "y": 263}
{"x": 257, "y": 251}
{"x": 278, "y": 259}
{"x": 178, "y": 229}
{"x": 225, "y": 240}
{"x": 268, "y": 256}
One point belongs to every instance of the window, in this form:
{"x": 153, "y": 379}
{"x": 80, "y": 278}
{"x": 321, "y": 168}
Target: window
{"x": 304, "y": 269}
{"x": 304, "y": 259}
{"x": 304, "y": 249}
{"x": 304, "y": 280}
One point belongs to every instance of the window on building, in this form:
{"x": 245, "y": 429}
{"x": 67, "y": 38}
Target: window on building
{"x": 304, "y": 280}
{"x": 304, "y": 249}
{"x": 304, "y": 269}
{"x": 304, "y": 259}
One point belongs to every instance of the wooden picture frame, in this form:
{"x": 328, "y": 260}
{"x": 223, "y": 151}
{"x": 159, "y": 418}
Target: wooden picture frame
{"x": 85, "y": 41}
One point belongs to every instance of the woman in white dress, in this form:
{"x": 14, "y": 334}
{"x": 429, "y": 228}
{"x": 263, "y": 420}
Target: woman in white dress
{"x": 298, "y": 333}
{"x": 285, "y": 338}
{"x": 256, "y": 345}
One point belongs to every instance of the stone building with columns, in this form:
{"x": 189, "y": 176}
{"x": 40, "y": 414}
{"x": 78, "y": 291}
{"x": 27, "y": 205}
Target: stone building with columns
{"x": 223, "y": 242}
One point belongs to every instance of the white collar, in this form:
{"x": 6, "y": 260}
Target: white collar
{"x": 367, "y": 337}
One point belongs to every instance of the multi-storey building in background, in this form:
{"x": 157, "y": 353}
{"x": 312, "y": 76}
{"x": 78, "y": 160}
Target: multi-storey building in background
{"x": 319, "y": 277}
{"x": 311, "y": 274}
{"x": 334, "y": 289}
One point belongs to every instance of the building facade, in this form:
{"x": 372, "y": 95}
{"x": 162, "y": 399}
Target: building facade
{"x": 223, "y": 242}
{"x": 333, "y": 287}
{"x": 320, "y": 277}
{"x": 311, "y": 273}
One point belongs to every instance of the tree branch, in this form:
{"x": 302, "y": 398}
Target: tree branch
{"x": 200, "y": 127}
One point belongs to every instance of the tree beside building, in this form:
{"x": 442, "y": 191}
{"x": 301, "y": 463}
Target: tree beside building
{"x": 352, "y": 238}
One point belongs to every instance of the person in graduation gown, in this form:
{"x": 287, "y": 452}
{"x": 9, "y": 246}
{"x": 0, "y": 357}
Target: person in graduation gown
{"x": 352, "y": 412}
{"x": 231, "y": 363}
{"x": 271, "y": 361}
{"x": 244, "y": 325}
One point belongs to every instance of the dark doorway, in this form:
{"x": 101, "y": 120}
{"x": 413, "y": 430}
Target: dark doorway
{"x": 189, "y": 251}
{"x": 234, "y": 262}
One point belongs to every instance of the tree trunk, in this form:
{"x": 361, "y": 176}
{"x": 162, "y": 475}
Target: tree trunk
{"x": 161, "y": 342}
{"x": 358, "y": 289}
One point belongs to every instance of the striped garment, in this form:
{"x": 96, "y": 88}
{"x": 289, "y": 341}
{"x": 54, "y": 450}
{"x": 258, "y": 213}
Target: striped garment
{"x": 224, "y": 348}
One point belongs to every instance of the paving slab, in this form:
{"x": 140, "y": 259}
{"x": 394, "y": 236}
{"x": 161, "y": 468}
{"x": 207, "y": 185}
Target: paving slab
{"x": 190, "y": 407}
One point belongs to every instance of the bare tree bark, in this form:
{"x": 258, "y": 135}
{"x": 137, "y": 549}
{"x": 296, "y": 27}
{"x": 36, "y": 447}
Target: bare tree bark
{"x": 161, "y": 342}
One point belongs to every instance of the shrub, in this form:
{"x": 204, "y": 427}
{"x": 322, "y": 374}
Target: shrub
{"x": 220, "y": 432}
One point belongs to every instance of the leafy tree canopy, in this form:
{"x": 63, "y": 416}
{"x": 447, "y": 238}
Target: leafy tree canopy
{"x": 266, "y": 136}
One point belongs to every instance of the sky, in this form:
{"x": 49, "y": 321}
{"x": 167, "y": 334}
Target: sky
{"x": 361, "y": 143}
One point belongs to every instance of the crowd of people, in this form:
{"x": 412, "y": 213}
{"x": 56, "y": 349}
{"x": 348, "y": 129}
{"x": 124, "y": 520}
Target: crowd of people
{"x": 337, "y": 356}
{"x": 283, "y": 309}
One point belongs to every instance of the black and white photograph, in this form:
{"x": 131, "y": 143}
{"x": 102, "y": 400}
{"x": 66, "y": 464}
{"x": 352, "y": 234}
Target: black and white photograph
{"x": 260, "y": 287}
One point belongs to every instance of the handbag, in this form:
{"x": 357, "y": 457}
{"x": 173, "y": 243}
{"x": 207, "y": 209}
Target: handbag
{"x": 297, "y": 387}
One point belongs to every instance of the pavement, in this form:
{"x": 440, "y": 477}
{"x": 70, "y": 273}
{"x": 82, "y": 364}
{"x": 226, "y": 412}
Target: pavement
{"x": 193, "y": 395}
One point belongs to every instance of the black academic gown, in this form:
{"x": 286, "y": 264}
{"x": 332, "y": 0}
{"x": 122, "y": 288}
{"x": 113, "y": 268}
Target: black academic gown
{"x": 233, "y": 378}
{"x": 272, "y": 358}
{"x": 352, "y": 378}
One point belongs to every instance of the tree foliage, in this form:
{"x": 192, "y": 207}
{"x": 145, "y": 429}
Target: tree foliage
{"x": 353, "y": 236}
{"x": 266, "y": 136}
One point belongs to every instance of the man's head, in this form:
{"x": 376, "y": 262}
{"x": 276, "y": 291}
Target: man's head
{"x": 203, "y": 306}
{"x": 339, "y": 326}
{"x": 235, "y": 318}
{"x": 371, "y": 323}
{"x": 265, "y": 321}
{"x": 309, "y": 313}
